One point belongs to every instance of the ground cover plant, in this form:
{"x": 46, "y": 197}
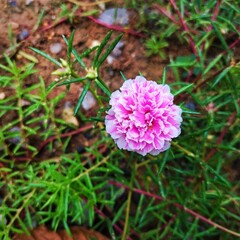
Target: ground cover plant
{"x": 63, "y": 166}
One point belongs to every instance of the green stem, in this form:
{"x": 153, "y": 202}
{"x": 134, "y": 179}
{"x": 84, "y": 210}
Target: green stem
{"x": 90, "y": 169}
{"x": 74, "y": 74}
{"x": 19, "y": 210}
{"x": 126, "y": 225}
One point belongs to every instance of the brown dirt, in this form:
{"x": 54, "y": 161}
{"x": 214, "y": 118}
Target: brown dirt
{"x": 78, "y": 233}
{"x": 132, "y": 61}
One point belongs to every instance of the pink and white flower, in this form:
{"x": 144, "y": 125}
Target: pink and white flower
{"x": 142, "y": 117}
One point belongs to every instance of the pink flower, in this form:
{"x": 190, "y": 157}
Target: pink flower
{"x": 143, "y": 118}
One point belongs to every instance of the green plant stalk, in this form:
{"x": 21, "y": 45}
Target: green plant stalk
{"x": 99, "y": 101}
{"x": 25, "y": 202}
{"x": 126, "y": 223}
{"x": 91, "y": 169}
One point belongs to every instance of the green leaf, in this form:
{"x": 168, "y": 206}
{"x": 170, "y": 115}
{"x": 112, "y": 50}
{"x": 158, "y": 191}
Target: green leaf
{"x": 109, "y": 50}
{"x": 10, "y": 63}
{"x": 221, "y": 38}
{"x": 45, "y": 55}
{"x": 72, "y": 50}
{"x": 5, "y": 68}
{"x": 88, "y": 51}
{"x": 186, "y": 110}
{"x": 51, "y": 86}
{"x": 78, "y": 58}
{"x": 221, "y": 75}
{"x": 164, "y": 76}
{"x": 231, "y": 5}
{"x": 124, "y": 78}
{"x": 103, "y": 87}
{"x": 74, "y": 80}
{"x": 100, "y": 48}
{"x": 212, "y": 64}
{"x": 230, "y": 24}
{"x": 183, "y": 89}
{"x": 81, "y": 98}
{"x": 184, "y": 61}
{"x": 66, "y": 200}
{"x": 69, "y": 46}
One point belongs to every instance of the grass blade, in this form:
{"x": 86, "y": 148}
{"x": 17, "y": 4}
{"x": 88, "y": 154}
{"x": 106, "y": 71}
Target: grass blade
{"x": 100, "y": 48}
{"x": 88, "y": 51}
{"x": 109, "y": 50}
{"x": 124, "y": 78}
{"x": 74, "y": 80}
{"x": 212, "y": 64}
{"x": 81, "y": 98}
{"x": 183, "y": 89}
{"x": 164, "y": 76}
{"x": 221, "y": 75}
{"x": 74, "y": 52}
{"x": 103, "y": 87}
{"x": 69, "y": 46}
{"x": 221, "y": 38}
{"x": 45, "y": 55}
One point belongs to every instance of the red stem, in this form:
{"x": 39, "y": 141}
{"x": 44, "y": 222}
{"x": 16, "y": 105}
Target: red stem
{"x": 82, "y": 129}
{"x": 116, "y": 27}
{"x": 53, "y": 24}
{"x": 185, "y": 27}
{"x": 214, "y": 16}
{"x": 166, "y": 13}
{"x": 179, "y": 206}
{"x": 215, "y": 13}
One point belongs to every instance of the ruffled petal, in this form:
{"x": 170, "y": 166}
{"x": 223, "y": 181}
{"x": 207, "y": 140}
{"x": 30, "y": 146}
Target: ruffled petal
{"x": 142, "y": 117}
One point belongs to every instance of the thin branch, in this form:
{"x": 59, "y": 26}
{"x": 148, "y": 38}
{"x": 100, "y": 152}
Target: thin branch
{"x": 179, "y": 206}
{"x": 165, "y": 13}
{"x": 215, "y": 13}
{"x": 82, "y": 129}
{"x": 116, "y": 27}
{"x": 185, "y": 27}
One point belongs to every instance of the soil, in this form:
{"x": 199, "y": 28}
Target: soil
{"x": 131, "y": 62}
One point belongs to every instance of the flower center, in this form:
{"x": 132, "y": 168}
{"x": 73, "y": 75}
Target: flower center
{"x": 149, "y": 119}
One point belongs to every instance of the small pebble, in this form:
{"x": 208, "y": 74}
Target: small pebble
{"x": 12, "y": 3}
{"x": 117, "y": 51}
{"x": 55, "y": 48}
{"x": 23, "y": 34}
{"x": 89, "y": 101}
{"x": 2, "y": 95}
{"x": 116, "y": 16}
{"x": 102, "y": 6}
{"x": 25, "y": 103}
{"x": 80, "y": 149}
{"x": 94, "y": 43}
{"x": 191, "y": 106}
{"x": 28, "y": 2}
{"x": 110, "y": 72}
{"x": 110, "y": 59}
{"x": 14, "y": 25}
